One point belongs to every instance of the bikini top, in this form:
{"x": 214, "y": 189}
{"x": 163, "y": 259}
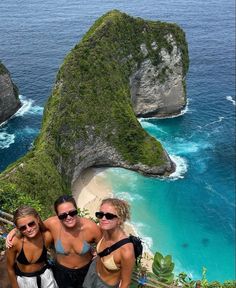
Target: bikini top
{"x": 60, "y": 249}
{"x": 108, "y": 261}
{"x": 21, "y": 258}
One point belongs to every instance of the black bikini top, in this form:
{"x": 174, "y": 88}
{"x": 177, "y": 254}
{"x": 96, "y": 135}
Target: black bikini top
{"x": 21, "y": 258}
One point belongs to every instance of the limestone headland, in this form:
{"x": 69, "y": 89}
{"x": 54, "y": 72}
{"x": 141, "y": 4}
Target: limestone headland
{"x": 122, "y": 68}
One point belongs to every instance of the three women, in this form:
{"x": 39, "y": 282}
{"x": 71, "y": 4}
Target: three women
{"x": 73, "y": 238}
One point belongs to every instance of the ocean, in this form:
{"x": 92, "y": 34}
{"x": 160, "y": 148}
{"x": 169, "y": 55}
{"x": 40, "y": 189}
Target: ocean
{"x": 190, "y": 215}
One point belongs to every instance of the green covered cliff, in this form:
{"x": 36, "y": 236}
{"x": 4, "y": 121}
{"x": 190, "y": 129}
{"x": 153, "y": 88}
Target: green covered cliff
{"x": 89, "y": 119}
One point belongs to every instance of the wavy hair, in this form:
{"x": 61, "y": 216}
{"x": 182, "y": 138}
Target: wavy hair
{"x": 122, "y": 207}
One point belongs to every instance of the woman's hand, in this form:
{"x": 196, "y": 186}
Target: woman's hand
{"x": 9, "y": 238}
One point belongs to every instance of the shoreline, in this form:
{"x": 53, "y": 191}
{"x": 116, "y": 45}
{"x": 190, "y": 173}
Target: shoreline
{"x": 89, "y": 189}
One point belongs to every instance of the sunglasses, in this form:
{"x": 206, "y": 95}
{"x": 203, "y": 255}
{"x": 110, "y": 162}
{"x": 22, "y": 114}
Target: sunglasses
{"x": 63, "y": 216}
{"x": 24, "y": 227}
{"x": 108, "y": 216}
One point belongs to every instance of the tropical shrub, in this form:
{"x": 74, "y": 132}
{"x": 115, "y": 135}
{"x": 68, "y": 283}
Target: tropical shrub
{"x": 162, "y": 267}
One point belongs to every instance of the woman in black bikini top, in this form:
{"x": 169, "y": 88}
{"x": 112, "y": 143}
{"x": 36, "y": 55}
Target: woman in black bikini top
{"x": 27, "y": 258}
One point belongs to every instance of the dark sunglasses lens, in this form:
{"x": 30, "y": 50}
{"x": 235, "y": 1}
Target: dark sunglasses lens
{"x": 110, "y": 216}
{"x": 73, "y": 213}
{"x": 22, "y": 228}
{"x": 99, "y": 215}
{"x": 62, "y": 216}
{"x": 31, "y": 224}
{"x": 65, "y": 215}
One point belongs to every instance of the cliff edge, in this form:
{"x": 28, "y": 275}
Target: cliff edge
{"x": 90, "y": 119}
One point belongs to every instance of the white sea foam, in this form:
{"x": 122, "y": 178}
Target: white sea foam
{"x": 181, "y": 167}
{"x": 6, "y": 139}
{"x": 230, "y": 98}
{"x": 147, "y": 125}
{"x": 38, "y": 110}
{"x": 220, "y": 119}
{"x": 129, "y": 197}
{"x": 185, "y": 147}
{"x": 26, "y": 106}
{"x": 28, "y": 130}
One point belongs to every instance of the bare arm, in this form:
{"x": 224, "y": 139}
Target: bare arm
{"x": 11, "y": 256}
{"x": 127, "y": 264}
{"x": 9, "y": 239}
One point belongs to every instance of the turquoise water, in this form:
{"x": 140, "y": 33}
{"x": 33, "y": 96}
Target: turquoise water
{"x": 191, "y": 215}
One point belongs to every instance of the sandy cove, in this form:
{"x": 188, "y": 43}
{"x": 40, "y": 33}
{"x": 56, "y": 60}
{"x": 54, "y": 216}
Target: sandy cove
{"x": 89, "y": 190}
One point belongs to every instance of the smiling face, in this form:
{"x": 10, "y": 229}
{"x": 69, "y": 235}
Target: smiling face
{"x": 64, "y": 210}
{"x": 107, "y": 224}
{"x": 28, "y": 226}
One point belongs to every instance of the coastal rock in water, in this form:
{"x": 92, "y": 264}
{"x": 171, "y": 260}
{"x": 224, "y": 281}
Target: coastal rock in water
{"x": 9, "y": 97}
{"x": 89, "y": 119}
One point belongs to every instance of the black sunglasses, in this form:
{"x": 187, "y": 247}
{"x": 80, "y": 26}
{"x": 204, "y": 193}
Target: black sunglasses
{"x": 108, "y": 216}
{"x": 63, "y": 216}
{"x": 24, "y": 227}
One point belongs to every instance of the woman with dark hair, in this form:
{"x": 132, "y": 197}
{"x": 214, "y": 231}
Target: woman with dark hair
{"x": 27, "y": 258}
{"x": 73, "y": 237}
{"x": 115, "y": 269}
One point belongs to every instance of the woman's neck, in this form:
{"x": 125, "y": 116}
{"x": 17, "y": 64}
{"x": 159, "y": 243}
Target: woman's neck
{"x": 114, "y": 234}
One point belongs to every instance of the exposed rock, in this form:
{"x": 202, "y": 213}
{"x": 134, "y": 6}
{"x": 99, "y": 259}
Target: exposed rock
{"x": 9, "y": 97}
{"x": 158, "y": 90}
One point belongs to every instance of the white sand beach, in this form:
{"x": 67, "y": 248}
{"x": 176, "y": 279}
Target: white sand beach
{"x": 89, "y": 190}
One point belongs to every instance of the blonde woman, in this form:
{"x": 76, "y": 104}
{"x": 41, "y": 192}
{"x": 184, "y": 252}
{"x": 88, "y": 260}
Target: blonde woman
{"x": 27, "y": 258}
{"x": 115, "y": 269}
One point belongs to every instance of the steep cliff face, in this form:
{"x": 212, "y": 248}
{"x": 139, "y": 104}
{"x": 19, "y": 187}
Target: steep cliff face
{"x": 9, "y": 100}
{"x": 158, "y": 90}
{"x": 89, "y": 119}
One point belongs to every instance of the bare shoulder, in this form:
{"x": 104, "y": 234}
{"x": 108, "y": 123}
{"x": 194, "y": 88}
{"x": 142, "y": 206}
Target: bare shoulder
{"x": 51, "y": 222}
{"x": 91, "y": 229}
{"x": 87, "y": 223}
{"x": 127, "y": 251}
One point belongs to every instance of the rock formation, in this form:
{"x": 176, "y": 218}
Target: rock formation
{"x": 158, "y": 90}
{"x": 89, "y": 119}
{"x": 9, "y": 98}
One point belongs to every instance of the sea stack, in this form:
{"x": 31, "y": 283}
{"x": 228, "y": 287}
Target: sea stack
{"x": 9, "y": 96}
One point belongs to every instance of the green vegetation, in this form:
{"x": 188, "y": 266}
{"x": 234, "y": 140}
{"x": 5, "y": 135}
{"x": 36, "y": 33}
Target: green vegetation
{"x": 163, "y": 276}
{"x": 162, "y": 267}
{"x": 90, "y": 108}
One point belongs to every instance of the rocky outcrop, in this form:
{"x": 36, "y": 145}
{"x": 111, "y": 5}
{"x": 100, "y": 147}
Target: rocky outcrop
{"x": 89, "y": 119}
{"x": 159, "y": 90}
{"x": 9, "y": 98}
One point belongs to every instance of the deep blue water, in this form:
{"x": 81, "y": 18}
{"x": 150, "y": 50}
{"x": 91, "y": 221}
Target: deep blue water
{"x": 191, "y": 215}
